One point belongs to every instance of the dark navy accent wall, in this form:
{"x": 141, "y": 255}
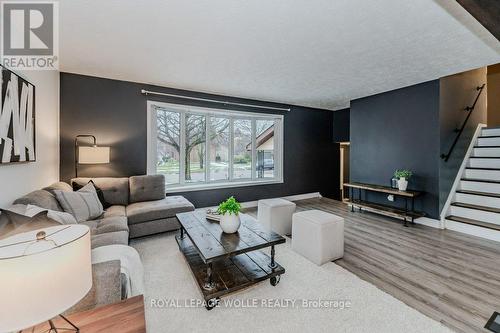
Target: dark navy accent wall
{"x": 115, "y": 112}
{"x": 394, "y": 130}
{"x": 341, "y": 125}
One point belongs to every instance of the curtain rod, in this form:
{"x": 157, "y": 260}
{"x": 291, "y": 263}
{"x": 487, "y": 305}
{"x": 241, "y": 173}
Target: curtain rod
{"x": 147, "y": 92}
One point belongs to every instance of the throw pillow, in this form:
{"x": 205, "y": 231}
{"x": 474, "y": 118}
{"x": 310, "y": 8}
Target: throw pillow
{"x": 84, "y": 204}
{"x": 12, "y": 223}
{"x": 60, "y": 217}
{"x": 100, "y": 193}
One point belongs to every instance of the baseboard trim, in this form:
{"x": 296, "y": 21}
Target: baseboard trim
{"x": 429, "y": 222}
{"x": 252, "y": 204}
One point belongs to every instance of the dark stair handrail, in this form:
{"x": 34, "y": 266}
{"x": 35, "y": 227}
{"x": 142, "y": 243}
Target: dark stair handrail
{"x": 469, "y": 109}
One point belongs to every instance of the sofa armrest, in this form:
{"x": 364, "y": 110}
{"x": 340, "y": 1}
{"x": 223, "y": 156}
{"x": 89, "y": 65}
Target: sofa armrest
{"x": 106, "y": 287}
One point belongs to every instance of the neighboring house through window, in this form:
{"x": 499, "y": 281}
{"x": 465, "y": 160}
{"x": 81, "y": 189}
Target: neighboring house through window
{"x": 198, "y": 148}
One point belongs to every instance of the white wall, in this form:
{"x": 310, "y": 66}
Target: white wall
{"x": 19, "y": 179}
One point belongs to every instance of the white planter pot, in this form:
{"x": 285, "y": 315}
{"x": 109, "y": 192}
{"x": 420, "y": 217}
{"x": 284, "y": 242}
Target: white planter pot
{"x": 402, "y": 184}
{"x": 230, "y": 223}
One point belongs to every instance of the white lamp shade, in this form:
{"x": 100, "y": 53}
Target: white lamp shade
{"x": 93, "y": 155}
{"x": 41, "y": 279}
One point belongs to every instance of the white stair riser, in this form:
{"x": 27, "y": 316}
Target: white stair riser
{"x": 482, "y": 174}
{"x": 484, "y": 163}
{"x": 475, "y": 214}
{"x": 486, "y": 152}
{"x": 473, "y": 230}
{"x": 490, "y": 132}
{"x": 488, "y": 141}
{"x": 480, "y": 187}
{"x": 477, "y": 200}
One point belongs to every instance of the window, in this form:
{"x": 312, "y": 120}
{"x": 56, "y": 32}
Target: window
{"x": 198, "y": 148}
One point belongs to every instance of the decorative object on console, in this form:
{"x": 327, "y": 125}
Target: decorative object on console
{"x": 44, "y": 273}
{"x": 17, "y": 118}
{"x": 89, "y": 154}
{"x": 230, "y": 219}
{"x": 403, "y": 176}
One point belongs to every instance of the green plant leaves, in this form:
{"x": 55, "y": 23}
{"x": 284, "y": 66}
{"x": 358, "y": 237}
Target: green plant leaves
{"x": 230, "y": 206}
{"x": 403, "y": 174}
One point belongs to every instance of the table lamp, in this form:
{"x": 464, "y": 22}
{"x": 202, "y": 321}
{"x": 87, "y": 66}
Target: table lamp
{"x": 42, "y": 274}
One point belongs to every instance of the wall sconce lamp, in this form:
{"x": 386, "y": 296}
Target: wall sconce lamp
{"x": 89, "y": 154}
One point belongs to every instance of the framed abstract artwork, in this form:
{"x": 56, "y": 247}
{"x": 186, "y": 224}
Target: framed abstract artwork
{"x": 17, "y": 119}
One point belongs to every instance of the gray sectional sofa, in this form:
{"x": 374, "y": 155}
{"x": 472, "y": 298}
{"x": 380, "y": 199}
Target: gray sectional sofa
{"x": 138, "y": 207}
{"x": 138, "y": 204}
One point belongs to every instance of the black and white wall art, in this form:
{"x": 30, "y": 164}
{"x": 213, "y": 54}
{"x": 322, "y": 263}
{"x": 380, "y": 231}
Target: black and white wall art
{"x": 17, "y": 118}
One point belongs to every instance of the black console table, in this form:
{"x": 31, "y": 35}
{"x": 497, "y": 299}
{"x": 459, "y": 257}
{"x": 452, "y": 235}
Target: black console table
{"x": 407, "y": 214}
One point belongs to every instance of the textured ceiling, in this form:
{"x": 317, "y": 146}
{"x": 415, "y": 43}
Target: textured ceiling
{"x": 318, "y": 53}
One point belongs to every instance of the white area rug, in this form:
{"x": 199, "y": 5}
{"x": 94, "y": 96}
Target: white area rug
{"x": 169, "y": 279}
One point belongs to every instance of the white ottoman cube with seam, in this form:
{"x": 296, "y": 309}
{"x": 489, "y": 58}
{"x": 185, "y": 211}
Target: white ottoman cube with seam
{"x": 276, "y": 215}
{"x": 318, "y": 236}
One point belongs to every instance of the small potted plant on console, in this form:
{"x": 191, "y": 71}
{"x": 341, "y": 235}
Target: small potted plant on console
{"x": 230, "y": 218}
{"x": 403, "y": 176}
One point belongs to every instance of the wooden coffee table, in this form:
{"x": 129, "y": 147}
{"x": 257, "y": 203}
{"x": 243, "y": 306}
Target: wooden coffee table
{"x": 224, "y": 263}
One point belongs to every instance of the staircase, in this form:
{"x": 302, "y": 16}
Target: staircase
{"x": 475, "y": 205}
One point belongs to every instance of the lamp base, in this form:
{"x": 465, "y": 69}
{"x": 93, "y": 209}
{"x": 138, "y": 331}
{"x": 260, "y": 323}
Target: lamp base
{"x": 54, "y": 329}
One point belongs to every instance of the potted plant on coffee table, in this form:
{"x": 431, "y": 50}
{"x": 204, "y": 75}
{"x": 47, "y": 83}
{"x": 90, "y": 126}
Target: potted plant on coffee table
{"x": 403, "y": 176}
{"x": 230, "y": 215}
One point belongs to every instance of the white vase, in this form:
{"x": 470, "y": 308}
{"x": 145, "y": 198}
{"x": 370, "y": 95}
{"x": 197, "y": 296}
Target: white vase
{"x": 230, "y": 223}
{"x": 402, "y": 184}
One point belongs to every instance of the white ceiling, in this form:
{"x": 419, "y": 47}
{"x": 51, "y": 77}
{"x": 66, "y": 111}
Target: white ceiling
{"x": 318, "y": 53}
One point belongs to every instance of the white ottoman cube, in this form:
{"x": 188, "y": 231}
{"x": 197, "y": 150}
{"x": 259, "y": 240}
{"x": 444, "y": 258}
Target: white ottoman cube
{"x": 276, "y": 215}
{"x": 318, "y": 236}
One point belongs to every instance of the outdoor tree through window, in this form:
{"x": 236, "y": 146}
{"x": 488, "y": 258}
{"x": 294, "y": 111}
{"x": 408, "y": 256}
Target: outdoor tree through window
{"x": 200, "y": 146}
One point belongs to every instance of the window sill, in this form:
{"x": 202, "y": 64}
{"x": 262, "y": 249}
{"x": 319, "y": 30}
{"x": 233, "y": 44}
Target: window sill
{"x": 213, "y": 186}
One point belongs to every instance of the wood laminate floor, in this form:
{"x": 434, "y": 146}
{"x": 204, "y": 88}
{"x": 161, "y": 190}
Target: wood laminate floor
{"x": 451, "y": 277}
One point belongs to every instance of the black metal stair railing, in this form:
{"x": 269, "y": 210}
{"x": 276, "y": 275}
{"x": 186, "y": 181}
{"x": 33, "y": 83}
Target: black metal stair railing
{"x": 469, "y": 109}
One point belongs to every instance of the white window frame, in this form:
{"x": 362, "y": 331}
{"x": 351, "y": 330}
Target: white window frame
{"x": 231, "y": 115}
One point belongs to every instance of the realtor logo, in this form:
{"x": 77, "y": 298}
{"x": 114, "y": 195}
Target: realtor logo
{"x": 30, "y": 35}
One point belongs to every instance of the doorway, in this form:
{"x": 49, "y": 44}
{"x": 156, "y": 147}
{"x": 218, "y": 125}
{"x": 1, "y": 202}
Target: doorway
{"x": 493, "y": 91}
{"x": 344, "y": 168}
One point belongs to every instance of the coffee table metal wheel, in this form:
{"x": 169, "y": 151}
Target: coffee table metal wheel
{"x": 212, "y": 303}
{"x": 275, "y": 280}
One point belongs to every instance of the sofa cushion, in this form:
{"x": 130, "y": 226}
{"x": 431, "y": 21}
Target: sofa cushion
{"x": 147, "y": 188}
{"x": 115, "y": 190}
{"x": 40, "y": 198}
{"x": 59, "y": 186}
{"x": 115, "y": 210}
{"x": 83, "y": 204}
{"x": 109, "y": 238}
{"x": 100, "y": 193}
{"x": 159, "y": 209}
{"x": 107, "y": 225}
